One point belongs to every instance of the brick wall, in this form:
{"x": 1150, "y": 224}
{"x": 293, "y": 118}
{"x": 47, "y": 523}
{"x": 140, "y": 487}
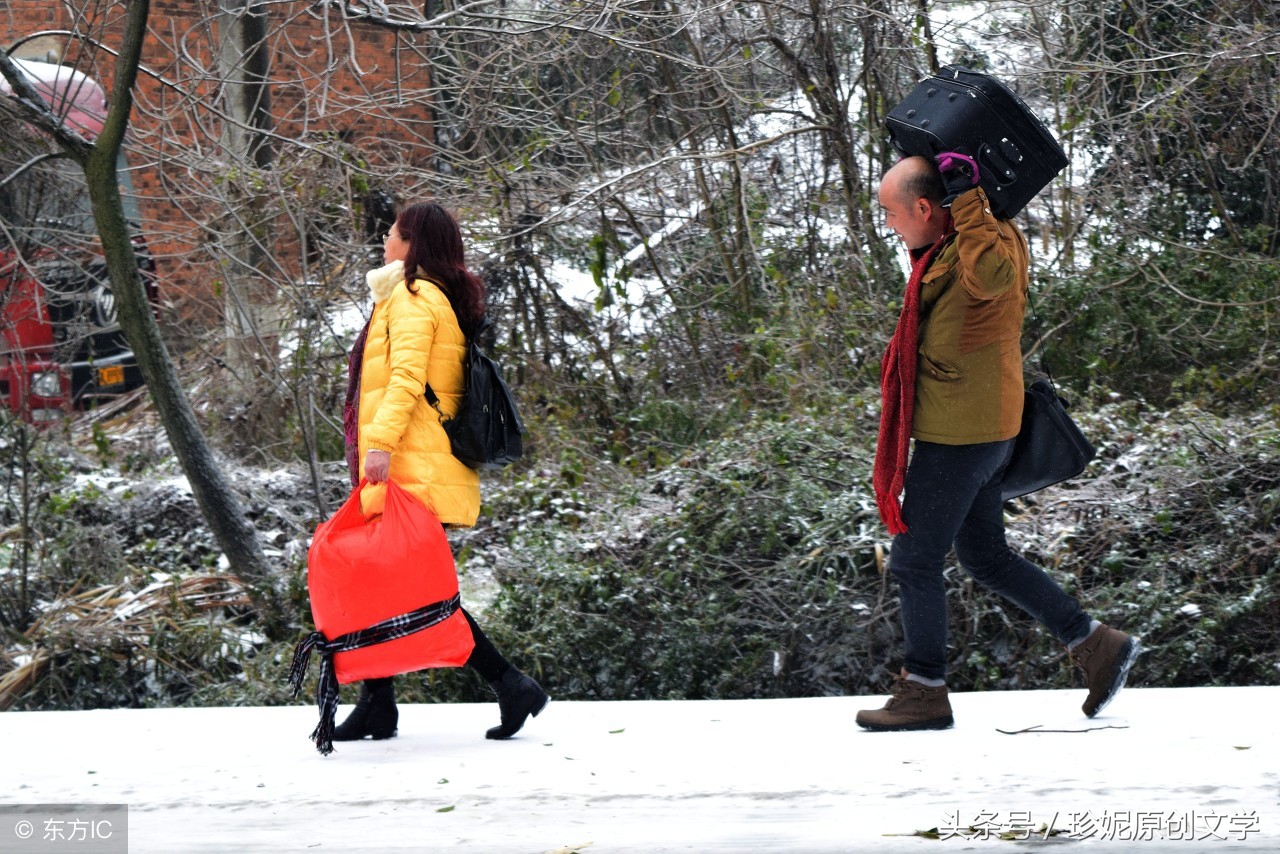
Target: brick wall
{"x": 331, "y": 79}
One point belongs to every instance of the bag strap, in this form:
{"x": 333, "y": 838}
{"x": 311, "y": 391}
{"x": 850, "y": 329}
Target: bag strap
{"x": 1044, "y": 349}
{"x": 1038, "y": 328}
{"x": 432, "y": 399}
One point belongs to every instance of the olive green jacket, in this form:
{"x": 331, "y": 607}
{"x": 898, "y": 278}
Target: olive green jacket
{"x": 972, "y": 298}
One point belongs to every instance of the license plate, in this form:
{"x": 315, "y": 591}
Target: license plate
{"x": 110, "y": 375}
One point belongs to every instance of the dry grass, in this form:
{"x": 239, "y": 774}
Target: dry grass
{"x": 113, "y": 620}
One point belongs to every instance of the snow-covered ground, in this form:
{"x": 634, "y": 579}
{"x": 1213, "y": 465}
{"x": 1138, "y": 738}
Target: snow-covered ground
{"x": 1187, "y": 770}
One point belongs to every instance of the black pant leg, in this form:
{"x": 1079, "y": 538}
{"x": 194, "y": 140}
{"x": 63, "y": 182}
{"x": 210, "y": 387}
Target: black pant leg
{"x": 485, "y": 658}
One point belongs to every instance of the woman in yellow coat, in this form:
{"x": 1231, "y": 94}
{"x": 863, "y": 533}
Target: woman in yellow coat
{"x": 414, "y": 338}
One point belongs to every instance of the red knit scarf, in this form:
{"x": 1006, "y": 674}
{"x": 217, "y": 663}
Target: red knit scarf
{"x": 898, "y": 396}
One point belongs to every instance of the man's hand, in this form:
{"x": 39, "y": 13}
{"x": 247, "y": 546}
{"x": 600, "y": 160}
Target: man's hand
{"x": 377, "y": 466}
{"x": 959, "y": 173}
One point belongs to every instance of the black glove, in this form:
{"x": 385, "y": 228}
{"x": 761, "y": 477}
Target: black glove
{"x": 959, "y": 174}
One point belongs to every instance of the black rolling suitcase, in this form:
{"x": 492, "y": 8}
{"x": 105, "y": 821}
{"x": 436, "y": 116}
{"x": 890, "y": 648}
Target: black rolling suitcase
{"x": 959, "y": 108}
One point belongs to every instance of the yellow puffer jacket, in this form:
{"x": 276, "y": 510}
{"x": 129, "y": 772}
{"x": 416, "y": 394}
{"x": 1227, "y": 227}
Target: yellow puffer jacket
{"x": 414, "y": 339}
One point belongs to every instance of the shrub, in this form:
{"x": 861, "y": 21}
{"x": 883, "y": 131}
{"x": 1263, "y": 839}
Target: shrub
{"x": 755, "y": 567}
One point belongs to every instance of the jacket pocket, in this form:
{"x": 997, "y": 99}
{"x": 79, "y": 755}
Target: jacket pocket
{"x": 935, "y": 282}
{"x": 936, "y": 369}
{"x": 941, "y": 266}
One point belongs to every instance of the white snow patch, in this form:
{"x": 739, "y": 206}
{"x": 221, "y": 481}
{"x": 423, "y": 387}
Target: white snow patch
{"x": 793, "y": 775}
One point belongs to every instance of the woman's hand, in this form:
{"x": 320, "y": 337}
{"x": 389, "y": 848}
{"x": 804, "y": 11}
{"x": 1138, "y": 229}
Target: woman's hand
{"x": 377, "y": 466}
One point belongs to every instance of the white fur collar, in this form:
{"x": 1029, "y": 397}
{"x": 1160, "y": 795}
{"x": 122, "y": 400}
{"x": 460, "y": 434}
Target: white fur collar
{"x": 384, "y": 279}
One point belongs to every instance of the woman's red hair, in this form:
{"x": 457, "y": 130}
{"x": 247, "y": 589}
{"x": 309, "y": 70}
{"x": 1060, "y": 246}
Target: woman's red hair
{"x": 436, "y": 253}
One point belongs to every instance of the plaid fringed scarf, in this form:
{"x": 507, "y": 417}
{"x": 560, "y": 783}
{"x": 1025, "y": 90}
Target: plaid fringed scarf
{"x": 387, "y": 630}
{"x": 351, "y": 406}
{"x": 898, "y": 396}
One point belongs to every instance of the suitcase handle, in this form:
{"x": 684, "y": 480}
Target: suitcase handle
{"x": 998, "y": 164}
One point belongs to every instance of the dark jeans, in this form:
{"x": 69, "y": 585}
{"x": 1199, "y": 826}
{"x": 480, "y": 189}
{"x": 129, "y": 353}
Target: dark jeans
{"x": 952, "y": 497}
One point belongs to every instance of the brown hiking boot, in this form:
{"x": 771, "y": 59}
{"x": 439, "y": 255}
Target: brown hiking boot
{"x": 1105, "y": 657}
{"x": 911, "y": 706}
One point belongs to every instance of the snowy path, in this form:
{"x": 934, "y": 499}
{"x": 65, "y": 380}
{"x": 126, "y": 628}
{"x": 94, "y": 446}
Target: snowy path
{"x": 713, "y": 776}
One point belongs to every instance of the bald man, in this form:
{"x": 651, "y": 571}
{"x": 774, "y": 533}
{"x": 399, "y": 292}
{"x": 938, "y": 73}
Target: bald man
{"x": 961, "y": 338}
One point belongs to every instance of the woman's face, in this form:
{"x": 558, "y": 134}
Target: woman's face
{"x": 394, "y": 246}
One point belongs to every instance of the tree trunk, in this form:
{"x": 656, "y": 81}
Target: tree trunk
{"x": 236, "y": 536}
{"x": 252, "y": 323}
{"x": 218, "y": 504}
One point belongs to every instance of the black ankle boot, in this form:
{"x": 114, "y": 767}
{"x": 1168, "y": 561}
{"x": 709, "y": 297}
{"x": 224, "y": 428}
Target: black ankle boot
{"x": 518, "y": 697}
{"x": 375, "y": 713}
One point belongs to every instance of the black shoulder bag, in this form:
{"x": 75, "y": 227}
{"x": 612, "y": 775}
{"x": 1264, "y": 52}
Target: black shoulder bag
{"x": 1050, "y": 448}
{"x": 485, "y": 433}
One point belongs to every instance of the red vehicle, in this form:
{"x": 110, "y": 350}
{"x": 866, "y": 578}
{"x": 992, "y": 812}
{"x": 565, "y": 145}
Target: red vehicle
{"x": 60, "y": 343}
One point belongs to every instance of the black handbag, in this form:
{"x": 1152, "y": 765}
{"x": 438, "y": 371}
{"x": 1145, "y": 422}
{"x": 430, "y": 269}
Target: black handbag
{"x": 1050, "y": 447}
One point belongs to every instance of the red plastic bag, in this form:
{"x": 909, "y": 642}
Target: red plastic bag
{"x": 360, "y": 573}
